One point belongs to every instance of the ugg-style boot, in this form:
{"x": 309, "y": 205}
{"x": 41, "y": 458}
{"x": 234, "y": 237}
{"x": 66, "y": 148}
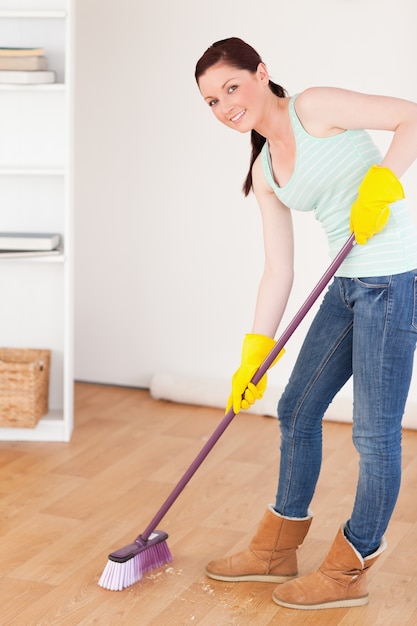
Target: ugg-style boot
{"x": 271, "y": 556}
{"x": 340, "y": 581}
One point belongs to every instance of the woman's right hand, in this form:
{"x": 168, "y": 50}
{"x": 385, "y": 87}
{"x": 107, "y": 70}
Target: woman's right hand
{"x": 244, "y": 393}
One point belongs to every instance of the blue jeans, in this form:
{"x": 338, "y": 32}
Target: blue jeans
{"x": 367, "y": 328}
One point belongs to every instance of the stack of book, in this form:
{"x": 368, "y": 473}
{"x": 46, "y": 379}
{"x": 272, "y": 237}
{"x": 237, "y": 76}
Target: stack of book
{"x": 24, "y": 66}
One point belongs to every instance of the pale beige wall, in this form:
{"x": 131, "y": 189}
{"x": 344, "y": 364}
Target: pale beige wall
{"x": 168, "y": 250}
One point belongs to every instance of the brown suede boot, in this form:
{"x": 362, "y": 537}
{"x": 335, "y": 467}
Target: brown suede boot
{"x": 271, "y": 556}
{"x": 340, "y": 581}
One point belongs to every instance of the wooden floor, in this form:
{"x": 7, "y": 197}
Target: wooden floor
{"x": 64, "y": 507}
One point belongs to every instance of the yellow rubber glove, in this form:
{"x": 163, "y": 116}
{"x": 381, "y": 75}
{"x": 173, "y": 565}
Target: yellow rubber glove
{"x": 255, "y": 349}
{"x": 370, "y": 212}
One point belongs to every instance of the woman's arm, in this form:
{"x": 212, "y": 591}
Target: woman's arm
{"x": 276, "y": 282}
{"x": 327, "y": 110}
{"x": 273, "y": 292}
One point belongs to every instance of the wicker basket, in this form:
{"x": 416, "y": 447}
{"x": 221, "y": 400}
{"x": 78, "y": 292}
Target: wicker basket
{"x": 24, "y": 385}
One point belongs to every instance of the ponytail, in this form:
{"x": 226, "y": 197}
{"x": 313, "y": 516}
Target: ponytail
{"x": 258, "y": 140}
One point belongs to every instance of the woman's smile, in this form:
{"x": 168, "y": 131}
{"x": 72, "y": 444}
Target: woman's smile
{"x": 236, "y": 118}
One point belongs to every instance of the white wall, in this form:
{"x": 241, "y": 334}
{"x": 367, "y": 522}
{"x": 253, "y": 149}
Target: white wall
{"x": 169, "y": 251}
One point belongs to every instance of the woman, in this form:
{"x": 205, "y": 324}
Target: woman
{"x": 310, "y": 152}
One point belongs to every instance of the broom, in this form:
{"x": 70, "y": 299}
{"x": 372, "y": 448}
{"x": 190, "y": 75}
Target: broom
{"x": 149, "y": 550}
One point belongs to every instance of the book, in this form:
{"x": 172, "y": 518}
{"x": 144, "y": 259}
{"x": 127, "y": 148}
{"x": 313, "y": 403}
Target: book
{"x": 23, "y": 63}
{"x": 24, "y": 254}
{"x": 21, "y": 77}
{"x": 17, "y": 52}
{"x": 29, "y": 241}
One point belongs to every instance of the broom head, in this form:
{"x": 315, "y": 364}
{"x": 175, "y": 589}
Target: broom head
{"x": 128, "y": 565}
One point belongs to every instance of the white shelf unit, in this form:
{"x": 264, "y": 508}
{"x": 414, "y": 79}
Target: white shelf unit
{"x": 36, "y": 195}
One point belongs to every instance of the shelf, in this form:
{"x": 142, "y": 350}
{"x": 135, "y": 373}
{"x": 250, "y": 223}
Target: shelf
{"x": 50, "y": 428}
{"x": 32, "y": 87}
{"x": 32, "y": 171}
{"x": 33, "y": 14}
{"x": 36, "y": 187}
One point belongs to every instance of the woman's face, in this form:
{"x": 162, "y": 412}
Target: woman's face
{"x": 235, "y": 96}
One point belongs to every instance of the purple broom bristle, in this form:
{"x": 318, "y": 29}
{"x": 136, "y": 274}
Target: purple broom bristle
{"x": 127, "y": 566}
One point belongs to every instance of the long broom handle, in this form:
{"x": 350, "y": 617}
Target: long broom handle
{"x": 265, "y": 365}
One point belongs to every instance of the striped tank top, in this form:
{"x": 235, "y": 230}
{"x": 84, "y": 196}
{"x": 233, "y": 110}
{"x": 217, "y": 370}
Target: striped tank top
{"x": 326, "y": 178}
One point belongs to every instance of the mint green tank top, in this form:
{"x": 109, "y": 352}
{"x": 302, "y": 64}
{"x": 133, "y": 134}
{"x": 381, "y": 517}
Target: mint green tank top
{"x": 326, "y": 178}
